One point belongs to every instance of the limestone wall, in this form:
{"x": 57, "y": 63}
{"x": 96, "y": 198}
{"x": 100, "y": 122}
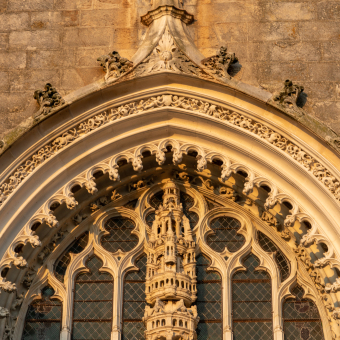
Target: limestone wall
{"x": 58, "y": 41}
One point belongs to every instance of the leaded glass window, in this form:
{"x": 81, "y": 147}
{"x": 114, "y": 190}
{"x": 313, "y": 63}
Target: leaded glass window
{"x": 92, "y": 309}
{"x": 43, "y": 318}
{"x": 209, "y": 301}
{"x": 225, "y": 234}
{"x": 156, "y": 200}
{"x": 301, "y": 318}
{"x": 252, "y": 303}
{"x": 120, "y": 236}
{"x": 134, "y": 302}
{"x": 75, "y": 247}
{"x": 270, "y": 247}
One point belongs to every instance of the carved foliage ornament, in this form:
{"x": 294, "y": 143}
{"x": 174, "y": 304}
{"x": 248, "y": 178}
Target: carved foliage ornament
{"x": 219, "y": 63}
{"x": 48, "y": 100}
{"x": 114, "y": 65}
{"x": 168, "y": 57}
{"x": 191, "y": 104}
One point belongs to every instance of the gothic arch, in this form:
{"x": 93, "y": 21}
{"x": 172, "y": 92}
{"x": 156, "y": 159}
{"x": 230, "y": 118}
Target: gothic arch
{"x": 223, "y": 142}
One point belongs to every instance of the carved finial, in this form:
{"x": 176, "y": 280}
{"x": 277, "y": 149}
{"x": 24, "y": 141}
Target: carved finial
{"x": 220, "y": 63}
{"x": 289, "y": 95}
{"x": 114, "y": 65}
{"x": 48, "y": 99}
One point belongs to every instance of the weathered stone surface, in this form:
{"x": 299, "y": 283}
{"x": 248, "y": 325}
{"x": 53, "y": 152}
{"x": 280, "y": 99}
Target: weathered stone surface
{"x": 59, "y": 42}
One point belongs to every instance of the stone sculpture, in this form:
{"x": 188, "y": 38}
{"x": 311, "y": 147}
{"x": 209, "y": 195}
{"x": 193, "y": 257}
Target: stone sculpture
{"x": 288, "y": 96}
{"x": 48, "y": 99}
{"x": 171, "y": 273}
{"x": 220, "y": 63}
{"x": 114, "y": 65}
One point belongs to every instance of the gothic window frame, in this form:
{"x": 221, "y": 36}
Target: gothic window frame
{"x": 225, "y": 263}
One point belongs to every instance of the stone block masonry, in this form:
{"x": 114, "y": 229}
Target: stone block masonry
{"x": 58, "y": 41}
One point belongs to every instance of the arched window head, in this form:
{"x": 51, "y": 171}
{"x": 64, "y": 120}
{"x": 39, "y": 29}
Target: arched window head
{"x": 92, "y": 309}
{"x": 225, "y": 234}
{"x": 43, "y": 317}
{"x": 252, "y": 302}
{"x": 134, "y": 302}
{"x": 301, "y": 318}
{"x": 120, "y": 236}
{"x": 209, "y": 301}
{"x": 75, "y": 247}
{"x": 270, "y": 247}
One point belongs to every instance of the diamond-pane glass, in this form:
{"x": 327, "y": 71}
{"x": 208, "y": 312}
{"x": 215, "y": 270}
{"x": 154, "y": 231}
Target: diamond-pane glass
{"x": 43, "y": 318}
{"x": 301, "y": 318}
{"x": 134, "y": 302}
{"x": 209, "y": 301}
{"x": 76, "y": 247}
{"x": 150, "y": 218}
{"x": 253, "y": 330}
{"x": 225, "y": 234}
{"x": 156, "y": 200}
{"x": 92, "y": 309}
{"x": 252, "y": 306}
{"x": 270, "y": 247}
{"x": 120, "y": 235}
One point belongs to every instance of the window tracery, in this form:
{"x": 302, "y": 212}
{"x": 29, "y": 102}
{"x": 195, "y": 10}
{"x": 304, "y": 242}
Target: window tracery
{"x": 251, "y": 307}
{"x": 209, "y": 301}
{"x": 301, "y": 318}
{"x": 92, "y": 305}
{"x": 225, "y": 234}
{"x": 252, "y": 302}
{"x": 43, "y": 317}
{"x": 270, "y": 247}
{"x": 134, "y": 302}
{"x": 75, "y": 247}
{"x": 120, "y": 236}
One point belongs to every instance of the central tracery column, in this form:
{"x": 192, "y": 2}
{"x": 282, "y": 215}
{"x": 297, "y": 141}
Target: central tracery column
{"x": 171, "y": 273}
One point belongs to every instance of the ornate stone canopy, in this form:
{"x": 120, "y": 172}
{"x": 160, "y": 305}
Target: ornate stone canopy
{"x": 164, "y": 116}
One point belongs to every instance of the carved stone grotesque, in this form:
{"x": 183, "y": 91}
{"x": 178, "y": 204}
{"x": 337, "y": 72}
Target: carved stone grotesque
{"x": 171, "y": 272}
{"x": 29, "y": 277}
{"x": 114, "y": 65}
{"x": 18, "y": 302}
{"x": 288, "y": 96}
{"x": 48, "y": 99}
{"x": 220, "y": 63}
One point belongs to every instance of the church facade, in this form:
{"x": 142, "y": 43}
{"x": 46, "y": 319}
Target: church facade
{"x": 170, "y": 201}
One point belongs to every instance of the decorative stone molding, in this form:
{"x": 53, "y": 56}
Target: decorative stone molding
{"x": 176, "y": 13}
{"x": 114, "y": 65}
{"x": 220, "y": 63}
{"x": 168, "y": 57}
{"x": 218, "y": 262}
{"x": 48, "y": 99}
{"x": 312, "y": 165}
{"x": 179, "y": 150}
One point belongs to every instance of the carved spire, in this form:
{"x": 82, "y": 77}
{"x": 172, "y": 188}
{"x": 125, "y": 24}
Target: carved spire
{"x": 171, "y": 273}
